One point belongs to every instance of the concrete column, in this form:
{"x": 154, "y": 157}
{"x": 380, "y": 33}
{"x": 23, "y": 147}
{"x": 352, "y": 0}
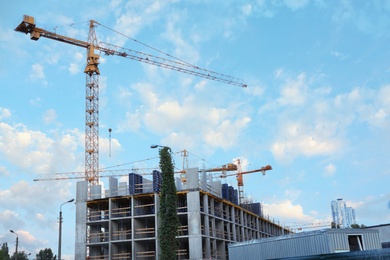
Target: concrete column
{"x": 157, "y": 207}
{"x": 110, "y": 250}
{"x": 81, "y": 220}
{"x": 194, "y": 225}
{"x": 207, "y": 252}
{"x": 233, "y": 215}
{"x": 242, "y": 226}
{"x": 132, "y": 227}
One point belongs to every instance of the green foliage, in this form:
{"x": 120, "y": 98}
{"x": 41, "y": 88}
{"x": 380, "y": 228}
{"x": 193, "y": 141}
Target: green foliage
{"x": 333, "y": 225}
{"x": 4, "y": 253}
{"x": 46, "y": 254}
{"x": 168, "y": 219}
{"x": 21, "y": 255}
{"x": 357, "y": 226}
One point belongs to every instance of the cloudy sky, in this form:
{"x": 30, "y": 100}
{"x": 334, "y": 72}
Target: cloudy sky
{"x": 316, "y": 107}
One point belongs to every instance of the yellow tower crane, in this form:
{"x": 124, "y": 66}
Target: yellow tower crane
{"x": 240, "y": 181}
{"x": 28, "y": 26}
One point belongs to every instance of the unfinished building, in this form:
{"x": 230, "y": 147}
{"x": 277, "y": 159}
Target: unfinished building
{"x": 122, "y": 221}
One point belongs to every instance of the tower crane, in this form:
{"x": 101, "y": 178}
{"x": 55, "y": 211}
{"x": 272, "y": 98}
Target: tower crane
{"x": 92, "y": 72}
{"x": 240, "y": 181}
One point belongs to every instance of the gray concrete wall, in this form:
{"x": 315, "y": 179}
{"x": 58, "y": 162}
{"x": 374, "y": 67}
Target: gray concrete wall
{"x": 192, "y": 178}
{"x": 384, "y": 232}
{"x": 81, "y": 220}
{"x": 194, "y": 225}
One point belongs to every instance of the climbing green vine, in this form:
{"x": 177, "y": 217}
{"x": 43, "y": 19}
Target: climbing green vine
{"x": 168, "y": 219}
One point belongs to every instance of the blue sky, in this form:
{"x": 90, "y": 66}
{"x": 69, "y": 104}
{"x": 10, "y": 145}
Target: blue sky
{"x": 316, "y": 107}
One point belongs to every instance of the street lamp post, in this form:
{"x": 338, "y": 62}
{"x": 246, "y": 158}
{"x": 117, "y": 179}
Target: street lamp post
{"x": 154, "y": 146}
{"x": 17, "y": 242}
{"x": 60, "y": 229}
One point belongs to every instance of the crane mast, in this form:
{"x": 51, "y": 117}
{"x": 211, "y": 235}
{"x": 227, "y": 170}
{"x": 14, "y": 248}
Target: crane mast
{"x": 92, "y": 72}
{"x": 92, "y": 109}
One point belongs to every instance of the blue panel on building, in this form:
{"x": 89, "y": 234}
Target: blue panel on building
{"x": 231, "y": 194}
{"x": 135, "y": 183}
{"x": 157, "y": 181}
{"x": 225, "y": 193}
{"x": 253, "y": 207}
{"x": 235, "y": 197}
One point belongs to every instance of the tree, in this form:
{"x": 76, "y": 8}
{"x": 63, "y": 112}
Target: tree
{"x": 4, "y": 252}
{"x": 357, "y": 226}
{"x": 168, "y": 219}
{"x": 20, "y": 255}
{"x": 46, "y": 254}
{"x": 334, "y": 225}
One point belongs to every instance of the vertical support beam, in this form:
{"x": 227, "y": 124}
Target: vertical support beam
{"x": 156, "y": 207}
{"x": 242, "y": 238}
{"x": 81, "y": 220}
{"x": 132, "y": 227}
{"x": 232, "y": 212}
{"x": 207, "y": 252}
{"x": 110, "y": 228}
{"x": 194, "y": 225}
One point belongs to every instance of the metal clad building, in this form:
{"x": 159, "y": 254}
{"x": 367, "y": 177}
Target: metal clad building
{"x": 307, "y": 243}
{"x": 384, "y": 234}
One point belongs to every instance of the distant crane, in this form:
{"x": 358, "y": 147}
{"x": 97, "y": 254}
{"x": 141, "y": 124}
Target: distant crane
{"x": 109, "y": 172}
{"x": 92, "y": 72}
{"x": 239, "y": 177}
{"x": 300, "y": 227}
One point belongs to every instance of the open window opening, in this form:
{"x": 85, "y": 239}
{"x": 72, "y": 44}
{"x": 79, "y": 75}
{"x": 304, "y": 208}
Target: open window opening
{"x": 355, "y": 243}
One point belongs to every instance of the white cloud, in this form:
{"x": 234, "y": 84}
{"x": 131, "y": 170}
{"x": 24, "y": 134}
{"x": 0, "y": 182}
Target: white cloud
{"x": 9, "y": 218}
{"x": 4, "y": 113}
{"x": 183, "y": 49}
{"x": 40, "y": 217}
{"x": 77, "y": 64}
{"x": 293, "y": 92}
{"x": 330, "y": 170}
{"x": 246, "y": 9}
{"x": 296, "y": 139}
{"x": 338, "y": 55}
{"x": 321, "y": 126}
{"x": 371, "y": 208}
{"x": 292, "y": 194}
{"x": 286, "y": 211}
{"x": 4, "y": 171}
{"x": 296, "y": 4}
{"x": 37, "y": 72}
{"x": 187, "y": 122}
{"x": 50, "y": 116}
{"x": 40, "y": 153}
{"x": 35, "y": 102}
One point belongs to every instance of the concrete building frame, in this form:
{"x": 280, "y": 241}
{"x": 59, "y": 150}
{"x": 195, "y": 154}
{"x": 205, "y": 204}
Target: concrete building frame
{"x": 120, "y": 226}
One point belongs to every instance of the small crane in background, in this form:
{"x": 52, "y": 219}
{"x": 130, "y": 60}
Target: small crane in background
{"x": 239, "y": 177}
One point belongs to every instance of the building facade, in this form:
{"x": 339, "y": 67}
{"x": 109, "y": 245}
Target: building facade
{"x": 384, "y": 234}
{"x": 343, "y": 216}
{"x": 122, "y": 222}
